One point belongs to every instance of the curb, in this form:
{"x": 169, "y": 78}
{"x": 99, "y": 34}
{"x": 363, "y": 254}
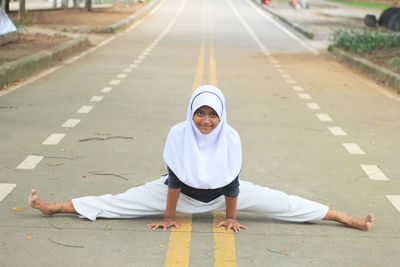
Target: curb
{"x": 29, "y": 65}
{"x": 295, "y": 26}
{"x": 388, "y": 77}
{"x": 23, "y": 67}
{"x": 125, "y": 23}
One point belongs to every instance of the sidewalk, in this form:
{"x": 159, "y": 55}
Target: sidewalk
{"x": 323, "y": 18}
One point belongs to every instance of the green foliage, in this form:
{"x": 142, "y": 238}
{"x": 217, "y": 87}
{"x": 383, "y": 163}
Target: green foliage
{"x": 361, "y": 4}
{"x": 362, "y": 42}
{"x": 394, "y": 62}
{"x": 20, "y": 25}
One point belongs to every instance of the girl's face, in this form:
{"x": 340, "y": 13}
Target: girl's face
{"x": 205, "y": 119}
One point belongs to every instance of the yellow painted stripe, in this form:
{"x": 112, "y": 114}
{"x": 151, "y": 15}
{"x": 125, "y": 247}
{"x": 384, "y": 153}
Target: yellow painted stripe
{"x": 212, "y": 67}
{"x": 179, "y": 242}
{"x": 224, "y": 244}
{"x": 198, "y": 77}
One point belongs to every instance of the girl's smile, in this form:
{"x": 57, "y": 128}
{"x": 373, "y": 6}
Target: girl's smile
{"x": 206, "y": 119}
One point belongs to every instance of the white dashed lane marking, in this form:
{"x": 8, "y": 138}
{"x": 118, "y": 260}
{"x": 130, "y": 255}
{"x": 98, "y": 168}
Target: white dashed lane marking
{"x": 353, "y": 149}
{"x": 30, "y": 162}
{"x": 121, "y": 76}
{"x": 132, "y": 65}
{"x": 304, "y": 96}
{"x": 337, "y": 131}
{"x": 313, "y": 106}
{"x": 6, "y": 189}
{"x": 106, "y": 89}
{"x": 71, "y": 123}
{"x": 85, "y": 109}
{"x": 137, "y": 61}
{"x": 127, "y": 70}
{"x": 115, "y": 82}
{"x": 290, "y": 81}
{"x": 374, "y": 173}
{"x": 323, "y": 117}
{"x": 395, "y": 200}
{"x": 96, "y": 98}
{"x": 53, "y": 139}
{"x": 297, "y": 88}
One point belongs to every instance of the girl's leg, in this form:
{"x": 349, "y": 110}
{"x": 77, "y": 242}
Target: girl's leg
{"x": 279, "y": 205}
{"x": 363, "y": 223}
{"x": 50, "y": 208}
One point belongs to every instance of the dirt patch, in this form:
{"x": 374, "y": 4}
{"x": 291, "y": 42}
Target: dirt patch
{"x": 27, "y": 45}
{"x": 70, "y": 19}
{"x": 386, "y": 58}
{"x": 61, "y": 20}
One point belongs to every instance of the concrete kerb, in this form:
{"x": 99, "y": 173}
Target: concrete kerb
{"x": 295, "y": 26}
{"x": 13, "y": 71}
{"x": 388, "y": 77}
{"x": 130, "y": 20}
{"x": 29, "y": 65}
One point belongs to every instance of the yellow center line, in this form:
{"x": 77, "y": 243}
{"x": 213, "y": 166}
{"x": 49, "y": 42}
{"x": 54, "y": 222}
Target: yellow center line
{"x": 224, "y": 244}
{"x": 198, "y": 77}
{"x": 212, "y": 71}
{"x": 179, "y": 242}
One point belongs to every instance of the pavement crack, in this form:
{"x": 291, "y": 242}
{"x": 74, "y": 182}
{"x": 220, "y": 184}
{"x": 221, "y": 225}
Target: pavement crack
{"x": 64, "y": 245}
{"x": 105, "y": 138}
{"x": 277, "y": 252}
{"x": 109, "y": 174}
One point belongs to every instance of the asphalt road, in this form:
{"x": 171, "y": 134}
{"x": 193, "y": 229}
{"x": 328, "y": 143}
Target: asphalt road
{"x": 309, "y": 126}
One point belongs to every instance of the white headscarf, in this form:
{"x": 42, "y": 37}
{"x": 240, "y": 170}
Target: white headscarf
{"x": 204, "y": 161}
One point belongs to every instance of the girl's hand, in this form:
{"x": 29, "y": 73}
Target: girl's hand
{"x": 164, "y": 223}
{"x": 231, "y": 223}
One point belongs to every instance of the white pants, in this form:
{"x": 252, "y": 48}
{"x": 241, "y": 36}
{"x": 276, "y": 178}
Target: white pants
{"x": 150, "y": 199}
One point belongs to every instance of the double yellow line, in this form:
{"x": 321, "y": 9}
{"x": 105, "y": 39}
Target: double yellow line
{"x": 179, "y": 241}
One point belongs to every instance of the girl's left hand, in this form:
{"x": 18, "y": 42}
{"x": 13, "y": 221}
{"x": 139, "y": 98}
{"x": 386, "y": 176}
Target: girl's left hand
{"x": 231, "y": 223}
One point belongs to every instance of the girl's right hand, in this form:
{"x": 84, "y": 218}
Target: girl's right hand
{"x": 164, "y": 223}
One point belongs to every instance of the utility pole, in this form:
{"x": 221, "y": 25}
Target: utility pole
{"x": 88, "y": 5}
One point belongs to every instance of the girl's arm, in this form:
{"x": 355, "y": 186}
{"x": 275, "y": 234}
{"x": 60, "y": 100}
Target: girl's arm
{"x": 168, "y": 221}
{"x": 230, "y": 222}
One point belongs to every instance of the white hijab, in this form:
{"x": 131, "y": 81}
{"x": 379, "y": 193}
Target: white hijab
{"x": 204, "y": 161}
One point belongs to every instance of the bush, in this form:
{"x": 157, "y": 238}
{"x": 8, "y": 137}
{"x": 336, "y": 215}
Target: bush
{"x": 362, "y": 42}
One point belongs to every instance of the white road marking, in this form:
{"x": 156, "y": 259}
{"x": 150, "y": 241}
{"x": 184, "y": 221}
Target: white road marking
{"x": 132, "y": 65}
{"x": 30, "y": 162}
{"x": 274, "y": 61}
{"x": 115, "y": 82}
{"x": 290, "y": 81}
{"x": 127, "y": 70}
{"x": 284, "y": 75}
{"x": 145, "y": 53}
{"x": 53, "y": 139}
{"x": 353, "y": 149}
{"x": 141, "y": 57}
{"x": 85, "y": 109}
{"x": 323, "y": 117}
{"x": 280, "y": 70}
{"x": 106, "y": 89}
{"x": 313, "y": 106}
{"x": 297, "y": 88}
{"x": 395, "y": 200}
{"x": 304, "y": 96}
{"x": 121, "y": 76}
{"x": 337, "y": 131}
{"x": 71, "y": 123}
{"x": 149, "y": 49}
{"x": 374, "y": 173}
{"x": 96, "y": 98}
{"x": 6, "y": 189}
{"x": 137, "y": 61}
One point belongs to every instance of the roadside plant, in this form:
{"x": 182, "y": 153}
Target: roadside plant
{"x": 364, "y": 41}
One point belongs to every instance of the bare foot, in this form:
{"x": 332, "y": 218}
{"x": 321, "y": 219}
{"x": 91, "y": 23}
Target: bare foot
{"x": 35, "y": 202}
{"x": 364, "y": 223}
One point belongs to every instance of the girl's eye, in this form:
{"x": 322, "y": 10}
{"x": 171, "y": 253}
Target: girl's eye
{"x": 200, "y": 113}
{"x": 214, "y": 115}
